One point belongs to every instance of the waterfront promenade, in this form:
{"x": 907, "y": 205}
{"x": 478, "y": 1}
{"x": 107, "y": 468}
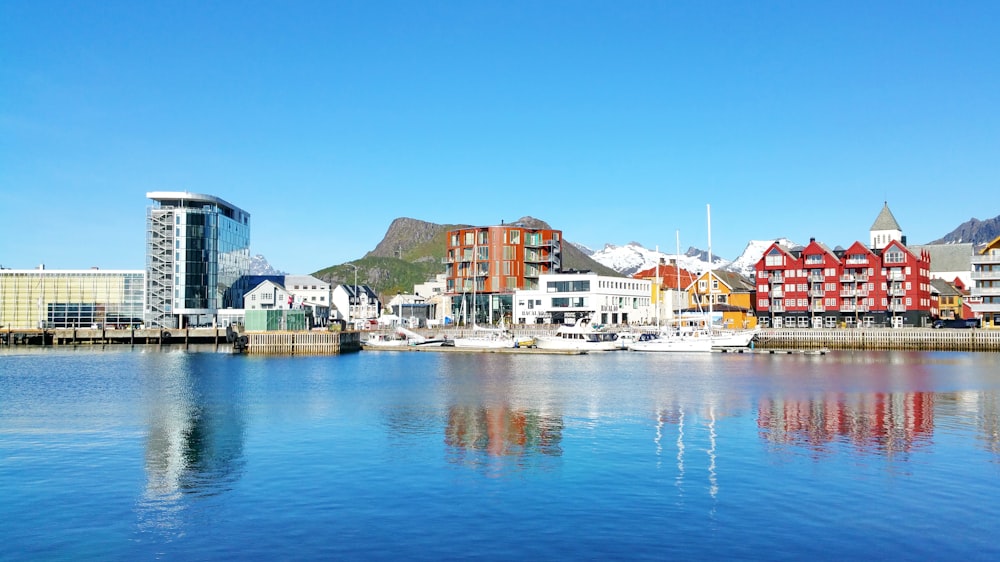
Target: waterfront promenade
{"x": 322, "y": 342}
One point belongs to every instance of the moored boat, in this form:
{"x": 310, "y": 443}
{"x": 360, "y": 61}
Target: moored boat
{"x": 582, "y": 336}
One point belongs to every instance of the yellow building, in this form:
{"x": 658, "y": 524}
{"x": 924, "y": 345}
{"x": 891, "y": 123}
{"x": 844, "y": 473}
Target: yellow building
{"x": 730, "y": 294}
{"x": 43, "y": 298}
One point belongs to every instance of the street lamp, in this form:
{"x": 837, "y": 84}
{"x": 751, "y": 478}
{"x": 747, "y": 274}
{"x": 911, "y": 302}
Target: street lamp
{"x": 356, "y": 300}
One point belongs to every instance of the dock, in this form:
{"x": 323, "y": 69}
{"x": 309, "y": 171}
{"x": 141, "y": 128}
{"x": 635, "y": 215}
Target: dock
{"x": 507, "y": 350}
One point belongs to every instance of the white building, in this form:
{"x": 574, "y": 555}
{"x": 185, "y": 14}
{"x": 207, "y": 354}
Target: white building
{"x": 356, "y": 303}
{"x": 307, "y": 289}
{"x": 568, "y": 297}
{"x": 267, "y": 296}
{"x": 434, "y": 294}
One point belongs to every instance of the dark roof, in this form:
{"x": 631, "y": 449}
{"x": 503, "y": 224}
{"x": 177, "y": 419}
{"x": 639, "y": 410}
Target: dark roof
{"x": 945, "y": 288}
{"x": 948, "y": 257}
{"x": 735, "y": 281}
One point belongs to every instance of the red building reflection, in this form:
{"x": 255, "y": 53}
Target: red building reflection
{"x": 883, "y": 423}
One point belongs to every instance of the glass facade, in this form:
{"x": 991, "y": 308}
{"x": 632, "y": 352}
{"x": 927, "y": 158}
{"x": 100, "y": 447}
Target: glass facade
{"x": 38, "y": 298}
{"x": 197, "y": 249}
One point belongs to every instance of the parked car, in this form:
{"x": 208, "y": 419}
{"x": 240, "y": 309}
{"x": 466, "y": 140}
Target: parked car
{"x": 957, "y": 323}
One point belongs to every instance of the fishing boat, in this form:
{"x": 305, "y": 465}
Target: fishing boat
{"x": 380, "y": 340}
{"x": 581, "y": 336}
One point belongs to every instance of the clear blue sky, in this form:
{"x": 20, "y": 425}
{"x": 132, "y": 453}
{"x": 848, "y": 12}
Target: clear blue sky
{"x": 612, "y": 121}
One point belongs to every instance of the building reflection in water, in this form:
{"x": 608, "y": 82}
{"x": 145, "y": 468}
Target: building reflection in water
{"x": 982, "y": 411}
{"x": 194, "y": 445}
{"x": 491, "y": 424}
{"x": 499, "y": 430}
{"x": 877, "y": 423}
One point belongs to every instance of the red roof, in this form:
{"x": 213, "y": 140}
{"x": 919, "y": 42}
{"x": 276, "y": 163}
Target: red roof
{"x": 668, "y": 276}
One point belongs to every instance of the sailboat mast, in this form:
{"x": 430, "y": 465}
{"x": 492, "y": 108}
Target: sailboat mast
{"x": 659, "y": 286}
{"x": 708, "y": 210}
{"x": 677, "y": 269}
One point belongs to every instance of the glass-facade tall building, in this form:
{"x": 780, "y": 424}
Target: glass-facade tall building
{"x": 197, "y": 249}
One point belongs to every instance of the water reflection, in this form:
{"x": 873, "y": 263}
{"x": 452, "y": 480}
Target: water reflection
{"x": 882, "y": 423}
{"x": 195, "y": 437}
{"x": 488, "y": 428}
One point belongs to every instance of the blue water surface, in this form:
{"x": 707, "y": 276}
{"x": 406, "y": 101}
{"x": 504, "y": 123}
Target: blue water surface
{"x": 136, "y": 454}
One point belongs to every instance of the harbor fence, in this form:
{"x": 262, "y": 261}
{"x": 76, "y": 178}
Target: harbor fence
{"x": 881, "y": 338}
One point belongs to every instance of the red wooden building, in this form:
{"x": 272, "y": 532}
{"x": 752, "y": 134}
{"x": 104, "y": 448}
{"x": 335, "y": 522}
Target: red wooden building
{"x": 818, "y": 287}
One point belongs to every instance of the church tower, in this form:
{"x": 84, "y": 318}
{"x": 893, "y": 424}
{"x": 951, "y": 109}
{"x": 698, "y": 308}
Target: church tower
{"x": 885, "y": 229}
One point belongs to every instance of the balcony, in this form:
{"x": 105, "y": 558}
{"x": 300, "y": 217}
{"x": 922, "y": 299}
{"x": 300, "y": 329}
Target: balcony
{"x": 895, "y": 275}
{"x": 897, "y": 307}
{"x": 849, "y": 293}
{"x": 848, "y": 308}
{"x": 896, "y": 290}
{"x": 777, "y": 293}
{"x": 777, "y": 308}
{"x": 847, "y": 278}
{"x": 550, "y": 244}
{"x": 985, "y": 259}
{"x": 817, "y": 293}
{"x": 777, "y": 277}
{"x": 986, "y": 275}
{"x": 817, "y": 307}
{"x": 985, "y": 291}
{"x": 816, "y": 278}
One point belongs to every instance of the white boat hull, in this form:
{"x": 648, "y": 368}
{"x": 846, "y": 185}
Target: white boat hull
{"x": 733, "y": 339}
{"x": 674, "y": 344}
{"x": 483, "y": 343}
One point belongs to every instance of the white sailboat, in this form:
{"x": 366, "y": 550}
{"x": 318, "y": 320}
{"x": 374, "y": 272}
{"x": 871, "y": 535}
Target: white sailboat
{"x": 677, "y": 338}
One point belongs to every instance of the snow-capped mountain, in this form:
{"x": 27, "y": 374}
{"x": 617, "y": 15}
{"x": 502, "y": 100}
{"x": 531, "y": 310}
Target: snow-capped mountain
{"x": 633, "y": 257}
{"x": 260, "y": 266}
{"x": 752, "y": 253}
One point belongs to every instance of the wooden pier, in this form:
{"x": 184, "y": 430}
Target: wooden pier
{"x": 283, "y": 343}
{"x": 302, "y": 343}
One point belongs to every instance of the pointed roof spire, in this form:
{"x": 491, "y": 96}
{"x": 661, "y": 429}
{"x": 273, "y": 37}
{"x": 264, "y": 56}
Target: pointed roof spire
{"x": 885, "y": 220}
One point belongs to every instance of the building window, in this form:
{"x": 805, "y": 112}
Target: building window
{"x": 894, "y": 255}
{"x": 515, "y": 236}
{"x": 774, "y": 258}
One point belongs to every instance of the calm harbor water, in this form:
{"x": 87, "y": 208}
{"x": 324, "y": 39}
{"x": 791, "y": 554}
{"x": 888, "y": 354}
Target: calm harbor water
{"x": 136, "y": 454}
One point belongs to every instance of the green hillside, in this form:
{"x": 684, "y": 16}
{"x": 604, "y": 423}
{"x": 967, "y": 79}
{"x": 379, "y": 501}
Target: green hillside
{"x": 412, "y": 252}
